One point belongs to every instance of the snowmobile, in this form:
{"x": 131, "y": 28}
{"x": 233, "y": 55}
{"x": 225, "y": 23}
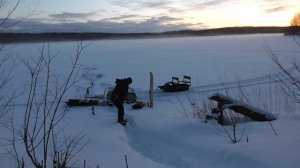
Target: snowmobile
{"x": 176, "y": 85}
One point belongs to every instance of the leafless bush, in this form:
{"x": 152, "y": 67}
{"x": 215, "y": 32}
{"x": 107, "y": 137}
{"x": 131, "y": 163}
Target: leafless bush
{"x": 7, "y": 61}
{"x": 10, "y": 144}
{"x": 289, "y": 76}
{"x": 230, "y": 127}
{"x": 271, "y": 97}
{"x": 10, "y": 7}
{"x": 232, "y": 124}
{"x": 7, "y": 94}
{"x": 201, "y": 109}
{"x": 3, "y": 23}
{"x": 41, "y": 132}
{"x": 196, "y": 107}
{"x": 5, "y": 65}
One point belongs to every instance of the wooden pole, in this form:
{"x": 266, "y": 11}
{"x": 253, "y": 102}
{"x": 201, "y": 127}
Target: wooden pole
{"x": 126, "y": 161}
{"x": 151, "y": 90}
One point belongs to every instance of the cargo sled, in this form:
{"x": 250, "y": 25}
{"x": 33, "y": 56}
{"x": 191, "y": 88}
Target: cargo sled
{"x": 82, "y": 102}
{"x": 89, "y": 99}
{"x": 176, "y": 85}
{"x": 105, "y": 99}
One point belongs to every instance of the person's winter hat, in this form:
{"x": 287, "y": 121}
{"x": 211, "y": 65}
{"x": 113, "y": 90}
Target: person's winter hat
{"x": 129, "y": 80}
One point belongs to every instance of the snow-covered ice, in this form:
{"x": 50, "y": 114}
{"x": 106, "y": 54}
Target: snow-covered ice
{"x": 162, "y": 137}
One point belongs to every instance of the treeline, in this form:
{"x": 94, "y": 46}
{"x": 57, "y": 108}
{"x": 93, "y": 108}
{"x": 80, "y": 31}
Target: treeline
{"x": 232, "y": 31}
{"x": 38, "y": 37}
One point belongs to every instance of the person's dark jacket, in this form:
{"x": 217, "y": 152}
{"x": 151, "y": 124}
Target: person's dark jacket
{"x": 120, "y": 91}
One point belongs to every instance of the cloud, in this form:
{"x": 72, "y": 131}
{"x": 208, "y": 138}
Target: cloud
{"x": 168, "y": 4}
{"x": 197, "y": 5}
{"x": 69, "y": 16}
{"x": 176, "y": 10}
{"x": 166, "y": 19}
{"x": 155, "y": 4}
{"x": 271, "y": 1}
{"x": 153, "y": 24}
{"x": 140, "y": 4}
{"x": 123, "y": 18}
{"x": 272, "y": 6}
{"x": 211, "y": 3}
{"x": 276, "y": 9}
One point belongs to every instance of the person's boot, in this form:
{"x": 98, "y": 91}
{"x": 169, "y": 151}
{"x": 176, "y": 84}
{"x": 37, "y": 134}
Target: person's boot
{"x": 122, "y": 122}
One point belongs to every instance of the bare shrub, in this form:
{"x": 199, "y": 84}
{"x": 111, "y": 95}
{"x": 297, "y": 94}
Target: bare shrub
{"x": 231, "y": 125}
{"x": 7, "y": 59}
{"x": 11, "y": 6}
{"x": 41, "y": 132}
{"x": 289, "y": 77}
{"x": 6, "y": 65}
{"x": 196, "y": 107}
{"x": 7, "y": 94}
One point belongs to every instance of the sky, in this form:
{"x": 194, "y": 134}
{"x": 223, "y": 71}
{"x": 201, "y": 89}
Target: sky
{"x": 129, "y": 16}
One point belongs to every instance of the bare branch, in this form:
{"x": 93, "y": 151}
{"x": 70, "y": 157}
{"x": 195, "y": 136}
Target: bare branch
{"x": 5, "y": 22}
{"x": 290, "y": 81}
{"x": 41, "y": 119}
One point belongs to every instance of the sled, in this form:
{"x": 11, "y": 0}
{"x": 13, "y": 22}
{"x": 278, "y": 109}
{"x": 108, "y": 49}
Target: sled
{"x": 176, "y": 85}
{"x": 103, "y": 100}
{"x": 138, "y": 105}
{"x": 82, "y": 102}
{"x": 89, "y": 99}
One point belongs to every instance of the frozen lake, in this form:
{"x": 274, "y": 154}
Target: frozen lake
{"x": 208, "y": 60}
{"x": 162, "y": 137}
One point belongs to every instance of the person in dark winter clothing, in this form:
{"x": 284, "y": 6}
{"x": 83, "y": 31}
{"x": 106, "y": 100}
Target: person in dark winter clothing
{"x": 119, "y": 95}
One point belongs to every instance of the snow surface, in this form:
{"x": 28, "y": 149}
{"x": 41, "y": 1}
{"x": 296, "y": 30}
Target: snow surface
{"x": 163, "y": 137}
